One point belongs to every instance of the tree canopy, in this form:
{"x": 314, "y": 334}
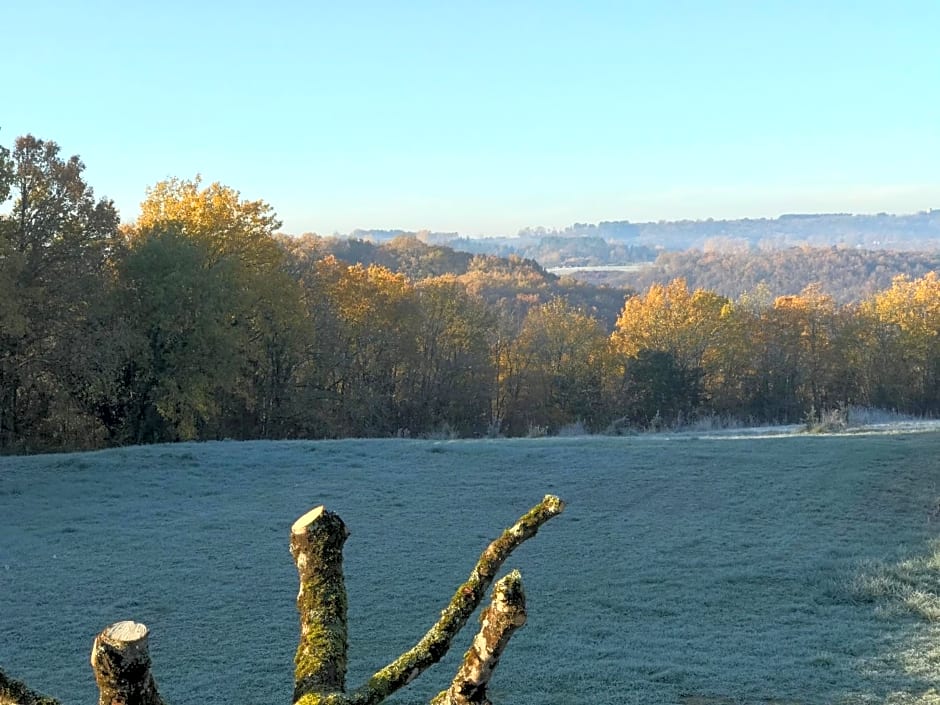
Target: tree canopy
{"x": 199, "y": 320}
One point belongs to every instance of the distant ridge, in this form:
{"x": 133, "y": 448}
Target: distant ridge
{"x": 625, "y": 242}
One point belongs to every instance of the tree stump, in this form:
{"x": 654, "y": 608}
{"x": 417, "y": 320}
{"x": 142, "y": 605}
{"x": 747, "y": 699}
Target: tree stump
{"x": 120, "y": 659}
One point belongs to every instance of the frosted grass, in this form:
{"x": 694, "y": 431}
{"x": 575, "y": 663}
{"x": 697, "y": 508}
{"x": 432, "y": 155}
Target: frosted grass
{"x": 687, "y": 569}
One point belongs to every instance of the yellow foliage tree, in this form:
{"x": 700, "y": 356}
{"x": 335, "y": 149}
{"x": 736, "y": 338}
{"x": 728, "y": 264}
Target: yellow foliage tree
{"x": 216, "y": 215}
{"x": 365, "y": 319}
{"x": 562, "y": 362}
{"x": 904, "y": 341}
{"x": 670, "y": 318}
{"x": 215, "y": 315}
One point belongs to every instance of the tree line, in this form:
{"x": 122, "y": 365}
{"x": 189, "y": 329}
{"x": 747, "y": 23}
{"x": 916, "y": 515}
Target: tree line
{"x": 199, "y": 321}
{"x": 850, "y": 274}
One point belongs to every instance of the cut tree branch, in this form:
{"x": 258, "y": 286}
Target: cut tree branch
{"x": 436, "y": 642}
{"x": 504, "y": 615}
{"x": 316, "y": 543}
{"x": 14, "y": 692}
{"x": 120, "y": 658}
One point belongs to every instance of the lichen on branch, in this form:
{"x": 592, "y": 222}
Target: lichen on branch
{"x": 14, "y": 692}
{"x": 436, "y": 642}
{"x": 317, "y": 540}
{"x": 502, "y": 617}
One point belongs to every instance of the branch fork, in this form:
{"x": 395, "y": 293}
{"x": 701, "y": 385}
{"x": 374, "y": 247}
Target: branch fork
{"x": 121, "y": 660}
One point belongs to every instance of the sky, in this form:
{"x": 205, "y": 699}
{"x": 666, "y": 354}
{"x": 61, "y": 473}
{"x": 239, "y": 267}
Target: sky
{"x": 486, "y": 117}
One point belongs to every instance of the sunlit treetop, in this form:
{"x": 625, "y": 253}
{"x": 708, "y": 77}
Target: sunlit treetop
{"x": 215, "y": 215}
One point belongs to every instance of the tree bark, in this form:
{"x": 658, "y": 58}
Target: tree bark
{"x": 504, "y": 615}
{"x": 436, "y": 642}
{"x": 121, "y": 661}
{"x": 316, "y": 544}
{"x": 14, "y": 692}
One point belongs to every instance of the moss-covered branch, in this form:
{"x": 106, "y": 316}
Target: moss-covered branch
{"x": 436, "y": 642}
{"x": 120, "y": 658}
{"x": 316, "y": 544}
{"x": 121, "y": 661}
{"x": 504, "y": 615}
{"x": 14, "y": 692}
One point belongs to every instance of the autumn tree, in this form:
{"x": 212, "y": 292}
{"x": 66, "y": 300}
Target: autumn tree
{"x": 811, "y": 364}
{"x": 903, "y": 344}
{"x": 54, "y": 247}
{"x": 450, "y": 385}
{"x": 682, "y": 328}
{"x": 363, "y": 319}
{"x": 212, "y": 314}
{"x": 563, "y": 358}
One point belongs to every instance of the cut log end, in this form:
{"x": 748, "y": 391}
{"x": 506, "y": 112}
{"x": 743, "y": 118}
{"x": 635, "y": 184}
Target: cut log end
{"x": 300, "y": 526}
{"x": 121, "y": 662}
{"x": 126, "y": 632}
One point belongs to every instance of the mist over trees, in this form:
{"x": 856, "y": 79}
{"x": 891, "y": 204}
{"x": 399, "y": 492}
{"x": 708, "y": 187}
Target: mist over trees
{"x": 624, "y": 242}
{"x": 200, "y": 321}
{"x": 849, "y": 274}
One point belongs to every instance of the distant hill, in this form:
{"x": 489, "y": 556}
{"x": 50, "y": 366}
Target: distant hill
{"x": 851, "y": 256}
{"x": 847, "y": 274}
{"x": 512, "y": 283}
{"x": 624, "y": 242}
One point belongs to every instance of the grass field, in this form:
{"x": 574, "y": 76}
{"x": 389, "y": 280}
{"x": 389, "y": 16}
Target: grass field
{"x": 795, "y": 569}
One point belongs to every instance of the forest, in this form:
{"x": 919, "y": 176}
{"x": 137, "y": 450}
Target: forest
{"x": 849, "y": 274}
{"x": 199, "y": 320}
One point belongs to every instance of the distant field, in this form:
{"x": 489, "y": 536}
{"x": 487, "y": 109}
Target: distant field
{"x": 794, "y": 569}
{"x": 633, "y": 267}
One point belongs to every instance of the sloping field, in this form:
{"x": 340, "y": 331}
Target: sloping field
{"x": 800, "y": 569}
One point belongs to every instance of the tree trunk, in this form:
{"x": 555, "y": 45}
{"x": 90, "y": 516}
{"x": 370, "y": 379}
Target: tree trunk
{"x": 316, "y": 544}
{"x": 121, "y": 661}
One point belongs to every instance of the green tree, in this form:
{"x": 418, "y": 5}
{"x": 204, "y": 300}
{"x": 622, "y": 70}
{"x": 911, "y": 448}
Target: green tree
{"x": 451, "y": 382}
{"x": 563, "y": 357}
{"x": 55, "y": 244}
{"x": 212, "y": 312}
{"x": 658, "y": 390}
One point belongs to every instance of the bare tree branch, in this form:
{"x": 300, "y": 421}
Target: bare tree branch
{"x": 436, "y": 641}
{"x": 504, "y": 615}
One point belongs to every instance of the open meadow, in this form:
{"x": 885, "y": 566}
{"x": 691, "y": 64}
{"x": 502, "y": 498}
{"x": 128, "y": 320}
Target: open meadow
{"x": 685, "y": 569}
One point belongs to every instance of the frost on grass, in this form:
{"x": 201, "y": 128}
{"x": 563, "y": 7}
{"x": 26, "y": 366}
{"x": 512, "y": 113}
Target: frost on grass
{"x": 908, "y": 588}
{"x": 716, "y": 565}
{"x": 911, "y": 585}
{"x": 120, "y": 655}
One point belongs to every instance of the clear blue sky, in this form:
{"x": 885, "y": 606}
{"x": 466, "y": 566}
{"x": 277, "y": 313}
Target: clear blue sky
{"x": 485, "y": 117}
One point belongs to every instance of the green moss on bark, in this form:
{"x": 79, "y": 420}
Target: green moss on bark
{"x": 14, "y": 692}
{"x": 320, "y": 661}
{"x": 465, "y": 600}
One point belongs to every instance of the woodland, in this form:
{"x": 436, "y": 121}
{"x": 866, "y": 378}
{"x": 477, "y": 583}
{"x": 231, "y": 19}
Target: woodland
{"x": 849, "y": 274}
{"x": 200, "y": 320}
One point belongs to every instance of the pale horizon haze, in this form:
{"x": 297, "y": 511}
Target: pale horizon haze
{"x": 488, "y": 117}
